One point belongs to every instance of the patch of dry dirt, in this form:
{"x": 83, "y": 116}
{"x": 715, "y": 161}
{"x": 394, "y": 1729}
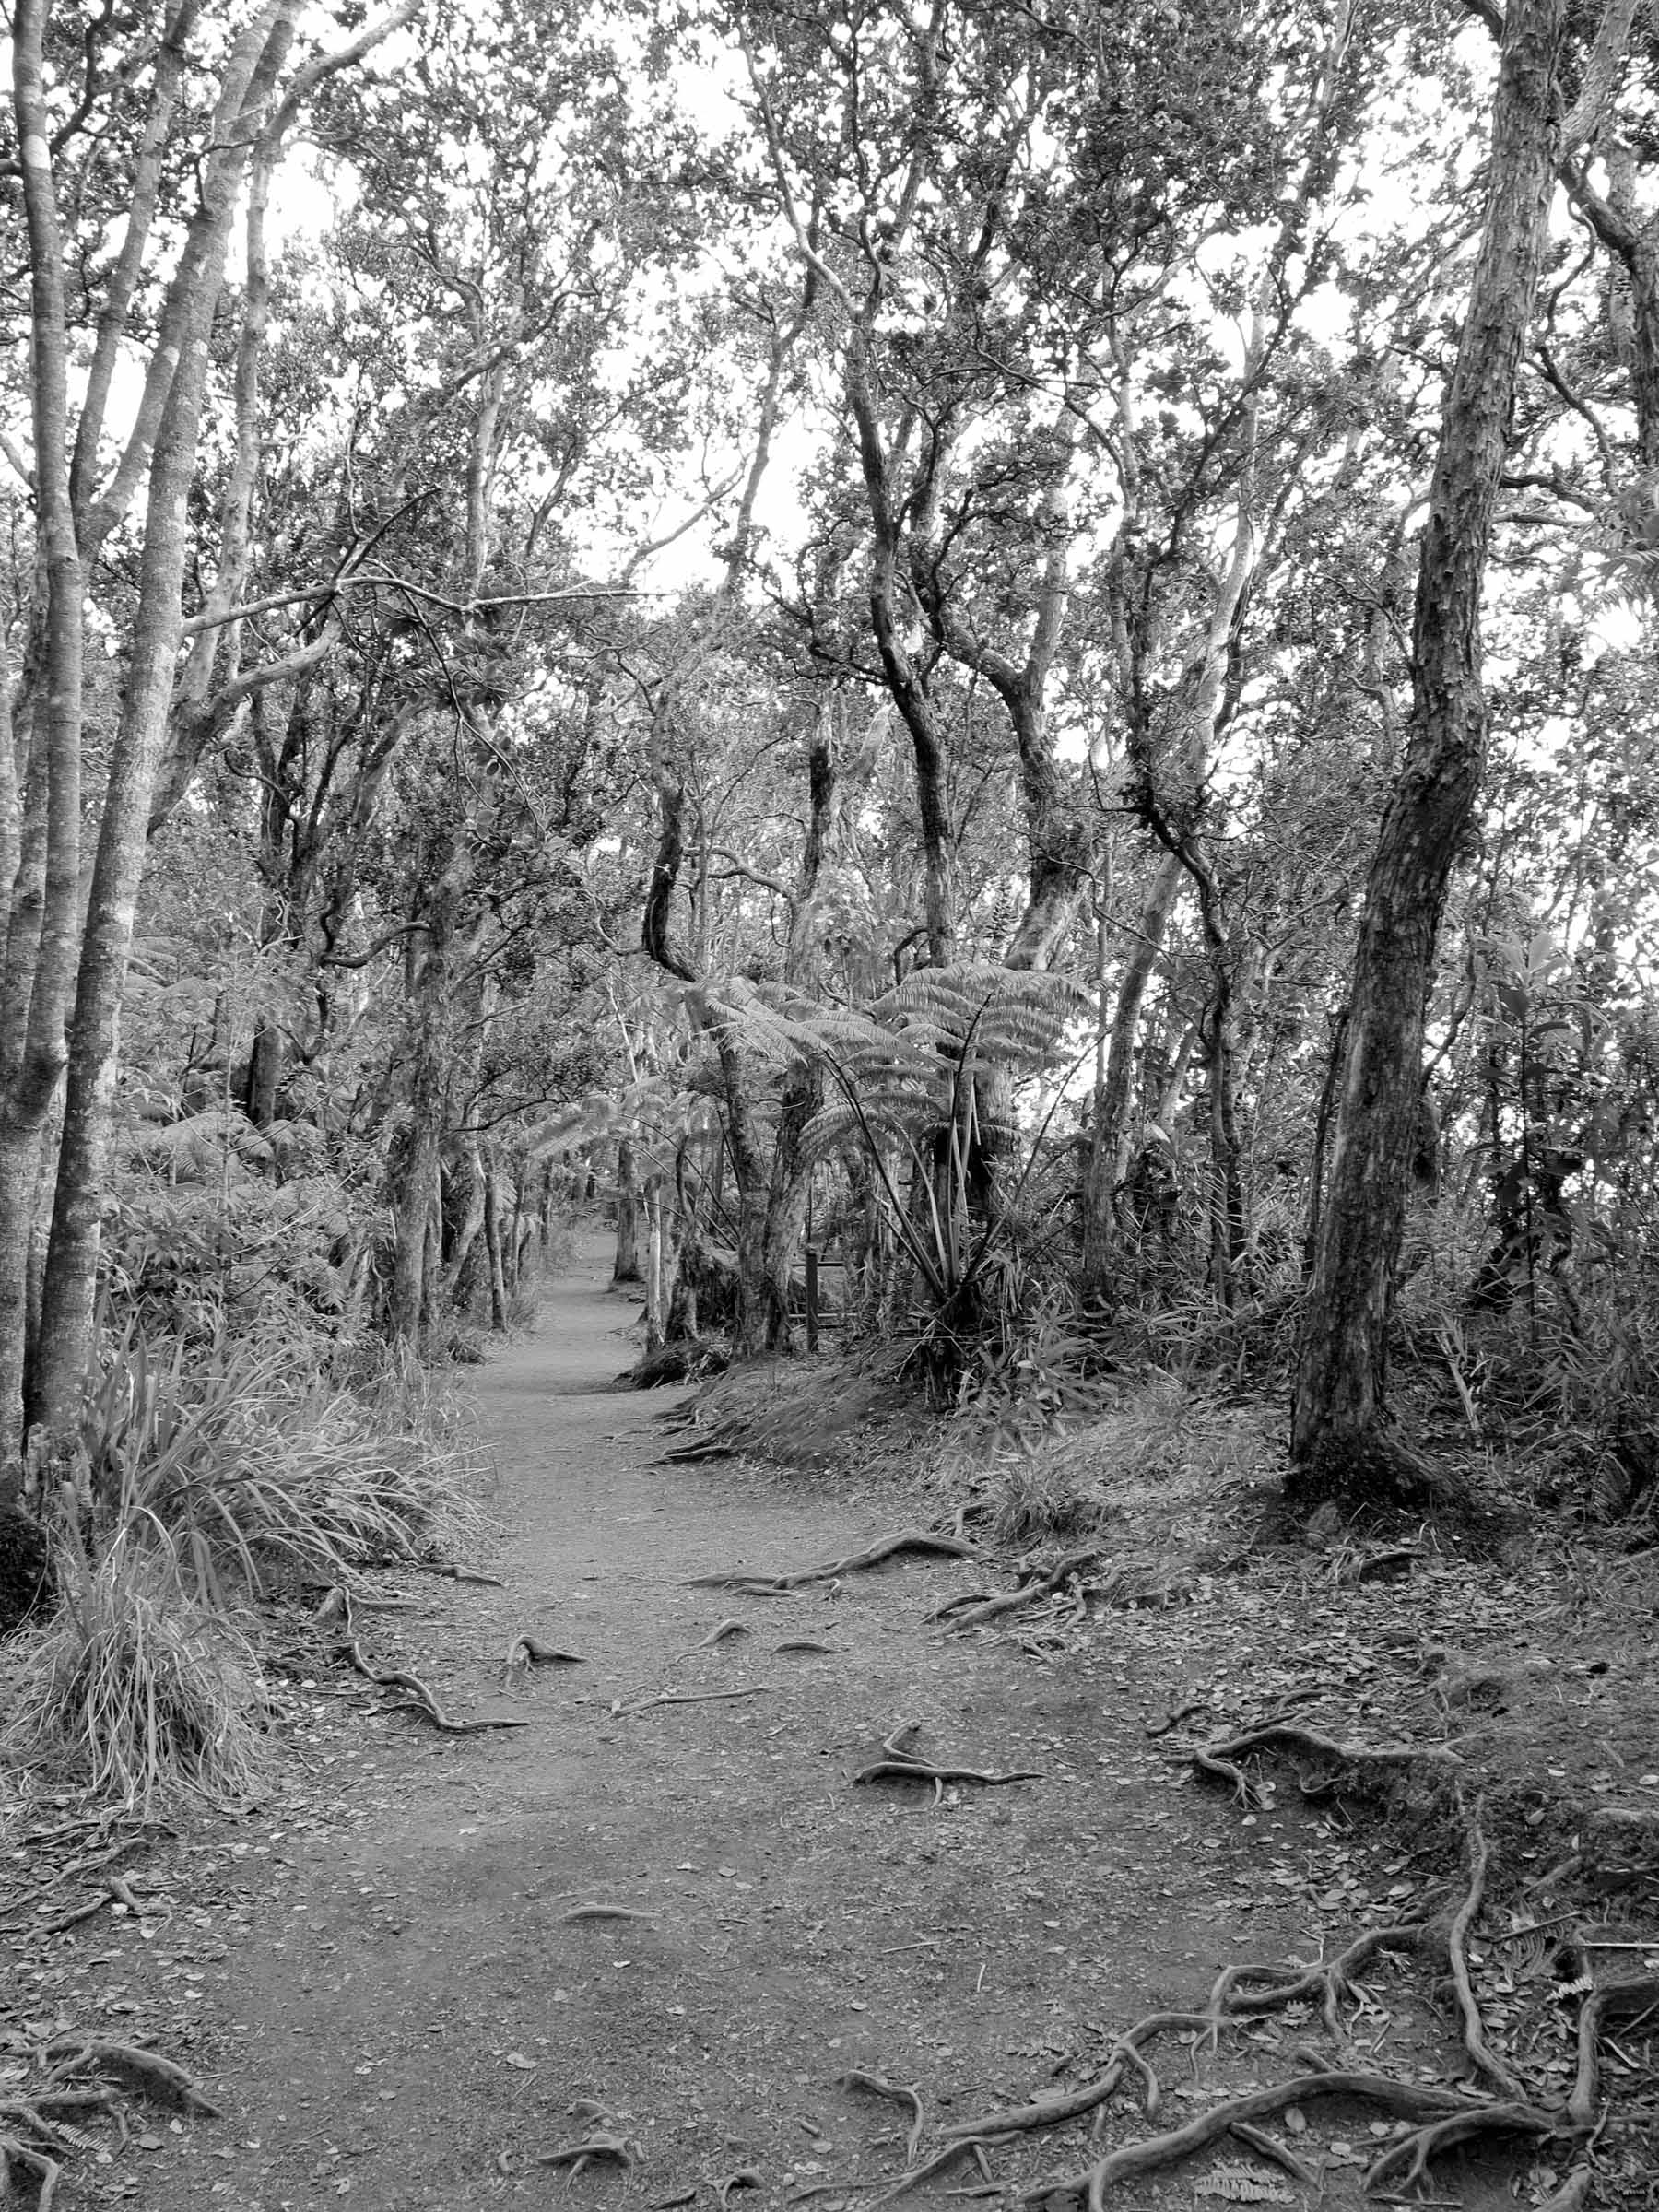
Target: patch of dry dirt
{"x": 389, "y": 1981}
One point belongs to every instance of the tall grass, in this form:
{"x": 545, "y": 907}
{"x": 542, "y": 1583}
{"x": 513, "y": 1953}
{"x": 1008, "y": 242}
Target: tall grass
{"x": 130, "y": 1691}
{"x": 249, "y": 1474}
{"x": 215, "y": 1476}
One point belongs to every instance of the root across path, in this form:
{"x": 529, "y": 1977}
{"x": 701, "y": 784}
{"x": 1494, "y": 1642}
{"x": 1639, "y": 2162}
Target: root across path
{"x": 663, "y": 1908}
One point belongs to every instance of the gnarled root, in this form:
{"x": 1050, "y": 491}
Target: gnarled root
{"x": 1406, "y": 2098}
{"x": 854, "y": 1562}
{"x": 876, "y": 2085}
{"x": 1029, "y": 1594}
{"x": 1219, "y": 1761}
{"x": 420, "y": 1698}
{"x": 1511, "y": 2116}
{"x": 140, "y": 2073}
{"x": 22, "y": 2158}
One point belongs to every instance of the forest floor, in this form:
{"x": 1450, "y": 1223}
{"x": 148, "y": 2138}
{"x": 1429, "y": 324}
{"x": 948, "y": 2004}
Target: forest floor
{"x": 664, "y": 1924}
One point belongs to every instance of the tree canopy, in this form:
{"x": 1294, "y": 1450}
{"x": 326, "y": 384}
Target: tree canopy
{"x": 1014, "y": 644}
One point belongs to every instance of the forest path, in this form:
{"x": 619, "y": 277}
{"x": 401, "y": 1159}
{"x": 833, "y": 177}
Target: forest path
{"x": 407, "y": 2013}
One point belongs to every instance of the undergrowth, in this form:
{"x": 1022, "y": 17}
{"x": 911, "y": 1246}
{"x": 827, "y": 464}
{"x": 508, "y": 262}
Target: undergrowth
{"x": 131, "y": 1692}
{"x": 215, "y": 1476}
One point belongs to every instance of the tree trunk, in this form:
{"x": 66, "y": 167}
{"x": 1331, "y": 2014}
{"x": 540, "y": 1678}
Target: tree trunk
{"x": 414, "y": 1192}
{"x": 1110, "y": 1138}
{"x": 1339, "y": 1444}
{"x": 492, "y": 1245}
{"x": 68, "y": 1297}
{"x": 625, "y": 1268}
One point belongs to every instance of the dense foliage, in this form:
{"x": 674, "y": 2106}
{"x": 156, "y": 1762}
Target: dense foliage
{"x": 804, "y": 619}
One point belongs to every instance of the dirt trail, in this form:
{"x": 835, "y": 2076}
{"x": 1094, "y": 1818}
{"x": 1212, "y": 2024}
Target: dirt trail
{"x": 388, "y": 1994}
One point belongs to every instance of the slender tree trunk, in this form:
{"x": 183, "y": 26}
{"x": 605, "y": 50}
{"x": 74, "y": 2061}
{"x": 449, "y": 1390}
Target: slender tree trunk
{"x": 63, "y": 1355}
{"x": 1110, "y": 1138}
{"x": 625, "y": 1268}
{"x": 492, "y": 1245}
{"x": 1339, "y": 1446}
{"x": 414, "y": 1190}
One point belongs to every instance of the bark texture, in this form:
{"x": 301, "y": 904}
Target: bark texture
{"x": 1339, "y": 1444}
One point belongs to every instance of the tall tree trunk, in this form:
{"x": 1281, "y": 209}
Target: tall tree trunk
{"x": 1339, "y": 1444}
{"x": 414, "y": 1192}
{"x": 1109, "y": 1137}
{"x": 64, "y": 1354}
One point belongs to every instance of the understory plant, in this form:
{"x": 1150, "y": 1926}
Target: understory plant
{"x": 215, "y": 1474}
{"x": 132, "y": 1690}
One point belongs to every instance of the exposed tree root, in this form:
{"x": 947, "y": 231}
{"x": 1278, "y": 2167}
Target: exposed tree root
{"x": 854, "y": 1562}
{"x": 16, "y": 2156}
{"x": 1574, "y": 2193}
{"x": 1462, "y": 1920}
{"x": 917, "y": 1770}
{"x": 525, "y": 1652}
{"x": 941, "y": 2163}
{"x": 420, "y": 1698}
{"x": 719, "y": 1633}
{"x": 1510, "y": 2116}
{"x": 577, "y": 2156}
{"x": 1029, "y": 1594}
{"x": 899, "y": 2092}
{"x": 1269, "y": 2147}
{"x": 1406, "y": 2099}
{"x": 1625, "y": 2000}
{"x": 902, "y": 1765}
{"x": 746, "y": 2177}
{"x": 692, "y": 1696}
{"x": 807, "y": 1643}
{"x": 140, "y": 2073}
{"x": 1219, "y": 1760}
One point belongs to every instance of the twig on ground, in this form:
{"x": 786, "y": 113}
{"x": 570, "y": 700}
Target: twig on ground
{"x": 854, "y": 1562}
{"x": 605, "y": 1912}
{"x": 807, "y": 1643}
{"x": 899, "y": 2092}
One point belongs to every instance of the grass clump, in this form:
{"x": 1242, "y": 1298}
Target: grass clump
{"x": 214, "y": 1476}
{"x": 130, "y": 1691}
{"x": 250, "y": 1476}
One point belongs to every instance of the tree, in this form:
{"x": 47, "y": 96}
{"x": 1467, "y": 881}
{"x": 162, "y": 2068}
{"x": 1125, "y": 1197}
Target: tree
{"x": 1341, "y": 1444}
